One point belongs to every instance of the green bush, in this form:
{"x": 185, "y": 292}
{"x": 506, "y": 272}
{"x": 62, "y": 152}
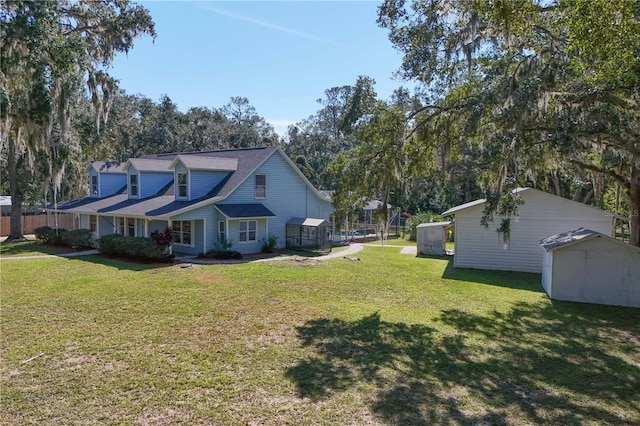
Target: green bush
{"x": 221, "y": 254}
{"x": 269, "y": 244}
{"x": 49, "y": 235}
{"x": 76, "y": 238}
{"x": 417, "y": 219}
{"x": 133, "y": 247}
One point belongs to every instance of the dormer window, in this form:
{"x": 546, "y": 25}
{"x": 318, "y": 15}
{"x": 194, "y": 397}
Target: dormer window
{"x": 94, "y": 185}
{"x": 133, "y": 185}
{"x": 261, "y": 186}
{"x": 182, "y": 185}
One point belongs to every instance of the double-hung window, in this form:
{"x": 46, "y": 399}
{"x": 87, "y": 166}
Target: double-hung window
{"x": 261, "y": 186}
{"x": 94, "y": 185}
{"x": 182, "y": 185}
{"x": 222, "y": 235}
{"x": 182, "y": 232}
{"x": 133, "y": 185}
{"x": 248, "y": 231}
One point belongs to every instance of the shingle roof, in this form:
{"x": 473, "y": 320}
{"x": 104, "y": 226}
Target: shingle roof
{"x": 236, "y": 211}
{"x": 207, "y": 163}
{"x": 108, "y": 166}
{"x": 476, "y": 203}
{"x": 149, "y": 165}
{"x": 248, "y": 160}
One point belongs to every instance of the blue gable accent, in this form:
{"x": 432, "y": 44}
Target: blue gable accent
{"x": 111, "y": 183}
{"x": 152, "y": 182}
{"x": 202, "y": 181}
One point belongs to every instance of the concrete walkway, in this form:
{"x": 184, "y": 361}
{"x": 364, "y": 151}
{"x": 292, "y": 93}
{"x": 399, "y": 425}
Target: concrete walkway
{"x": 350, "y": 250}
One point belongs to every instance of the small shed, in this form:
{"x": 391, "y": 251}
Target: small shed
{"x": 586, "y": 266}
{"x": 431, "y": 238}
{"x": 308, "y": 233}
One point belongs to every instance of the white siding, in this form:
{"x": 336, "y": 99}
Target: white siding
{"x": 598, "y": 270}
{"x": 542, "y": 215}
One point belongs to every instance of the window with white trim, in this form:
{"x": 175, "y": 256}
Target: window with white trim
{"x": 94, "y": 185}
{"x": 182, "y": 185}
{"x": 182, "y": 232}
{"x": 261, "y": 186}
{"x": 222, "y": 235}
{"x": 248, "y": 231}
{"x": 133, "y": 185}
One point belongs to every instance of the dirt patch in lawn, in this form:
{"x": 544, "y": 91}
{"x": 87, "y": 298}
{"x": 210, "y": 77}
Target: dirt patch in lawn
{"x": 213, "y": 278}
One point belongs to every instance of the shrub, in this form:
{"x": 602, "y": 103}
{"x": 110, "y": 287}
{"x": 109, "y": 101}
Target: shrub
{"x": 269, "y": 244}
{"x": 163, "y": 238}
{"x": 133, "y": 247}
{"x": 76, "y": 238}
{"x": 417, "y": 219}
{"x": 49, "y": 235}
{"x": 221, "y": 254}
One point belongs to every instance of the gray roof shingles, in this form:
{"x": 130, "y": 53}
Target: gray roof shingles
{"x": 163, "y": 204}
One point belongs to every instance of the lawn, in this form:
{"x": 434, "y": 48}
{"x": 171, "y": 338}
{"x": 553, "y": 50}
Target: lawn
{"x": 390, "y": 339}
{"x": 28, "y": 248}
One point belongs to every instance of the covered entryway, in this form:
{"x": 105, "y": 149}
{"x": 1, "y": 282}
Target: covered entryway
{"x": 306, "y": 233}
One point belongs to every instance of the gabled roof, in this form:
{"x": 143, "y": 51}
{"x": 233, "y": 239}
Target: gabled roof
{"x": 577, "y": 236}
{"x": 476, "y": 203}
{"x": 148, "y": 165}
{"x": 106, "y": 166}
{"x": 193, "y": 162}
{"x": 249, "y": 159}
{"x": 434, "y": 224}
{"x": 521, "y": 191}
{"x": 239, "y": 211}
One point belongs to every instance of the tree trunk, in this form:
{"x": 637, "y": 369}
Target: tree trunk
{"x": 634, "y": 206}
{"x": 15, "y": 232}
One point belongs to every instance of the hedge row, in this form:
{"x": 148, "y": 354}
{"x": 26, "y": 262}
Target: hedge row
{"x": 221, "y": 254}
{"x": 133, "y": 247}
{"x": 77, "y": 238}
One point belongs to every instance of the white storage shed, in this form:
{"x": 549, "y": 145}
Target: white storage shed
{"x": 586, "y": 266}
{"x": 431, "y": 238}
{"x": 541, "y": 215}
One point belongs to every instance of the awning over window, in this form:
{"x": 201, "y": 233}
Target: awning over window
{"x": 239, "y": 211}
{"x": 308, "y": 221}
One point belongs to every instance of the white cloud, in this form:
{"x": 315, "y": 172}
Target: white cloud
{"x": 265, "y": 24}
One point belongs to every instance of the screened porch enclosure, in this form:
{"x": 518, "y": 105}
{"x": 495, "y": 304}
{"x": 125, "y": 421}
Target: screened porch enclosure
{"x": 308, "y": 234}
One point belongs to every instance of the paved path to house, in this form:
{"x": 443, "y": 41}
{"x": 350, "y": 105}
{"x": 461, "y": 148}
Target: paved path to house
{"x": 350, "y": 250}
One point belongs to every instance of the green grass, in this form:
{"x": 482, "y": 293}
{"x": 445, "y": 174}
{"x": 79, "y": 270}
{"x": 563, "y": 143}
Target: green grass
{"x": 385, "y": 340}
{"x": 27, "y": 248}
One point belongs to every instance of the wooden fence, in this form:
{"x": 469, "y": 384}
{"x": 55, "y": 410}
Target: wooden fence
{"x": 31, "y": 222}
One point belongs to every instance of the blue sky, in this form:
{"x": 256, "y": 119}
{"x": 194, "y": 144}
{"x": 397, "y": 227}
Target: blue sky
{"x": 281, "y": 55}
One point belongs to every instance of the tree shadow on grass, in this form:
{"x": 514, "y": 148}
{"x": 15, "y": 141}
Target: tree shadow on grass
{"x": 545, "y": 363}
